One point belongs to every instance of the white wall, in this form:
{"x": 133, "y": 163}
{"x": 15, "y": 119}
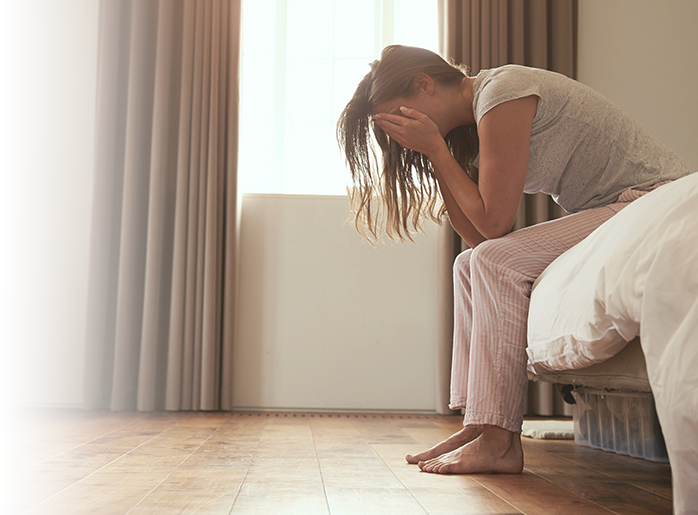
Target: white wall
{"x": 642, "y": 54}
{"x": 47, "y": 103}
{"x": 327, "y": 321}
{"x": 0, "y": 192}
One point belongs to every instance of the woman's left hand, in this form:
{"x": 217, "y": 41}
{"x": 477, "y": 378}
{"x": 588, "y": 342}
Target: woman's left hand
{"x": 411, "y": 129}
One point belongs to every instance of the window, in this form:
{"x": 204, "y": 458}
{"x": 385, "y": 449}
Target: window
{"x": 302, "y": 60}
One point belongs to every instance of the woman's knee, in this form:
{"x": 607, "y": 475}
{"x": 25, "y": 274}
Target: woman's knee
{"x": 461, "y": 266}
{"x": 506, "y": 257}
{"x": 488, "y": 257}
{"x": 496, "y": 251}
{"x": 463, "y": 260}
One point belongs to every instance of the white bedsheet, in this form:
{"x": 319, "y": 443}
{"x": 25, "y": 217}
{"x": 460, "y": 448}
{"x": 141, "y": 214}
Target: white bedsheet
{"x": 636, "y": 274}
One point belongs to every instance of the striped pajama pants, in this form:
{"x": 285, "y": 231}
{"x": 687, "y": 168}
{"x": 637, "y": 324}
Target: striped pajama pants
{"x": 492, "y": 287}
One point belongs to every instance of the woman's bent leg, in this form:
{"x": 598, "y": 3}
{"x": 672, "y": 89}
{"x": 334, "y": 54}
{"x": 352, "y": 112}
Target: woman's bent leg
{"x": 492, "y": 289}
{"x": 462, "y": 329}
{"x": 502, "y": 273}
{"x": 462, "y": 322}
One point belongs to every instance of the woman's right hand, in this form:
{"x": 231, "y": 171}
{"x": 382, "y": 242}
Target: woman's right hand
{"x": 413, "y": 130}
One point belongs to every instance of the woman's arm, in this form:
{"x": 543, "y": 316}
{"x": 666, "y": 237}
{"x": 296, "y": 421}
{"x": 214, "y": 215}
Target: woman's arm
{"x": 505, "y": 137}
{"x": 459, "y": 221}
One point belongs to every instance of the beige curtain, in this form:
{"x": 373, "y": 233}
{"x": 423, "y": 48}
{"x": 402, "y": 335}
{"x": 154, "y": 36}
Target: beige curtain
{"x": 164, "y": 238}
{"x": 485, "y": 34}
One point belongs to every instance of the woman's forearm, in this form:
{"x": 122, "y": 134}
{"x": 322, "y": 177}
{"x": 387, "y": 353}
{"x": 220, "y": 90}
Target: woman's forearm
{"x": 462, "y": 198}
{"x": 491, "y": 212}
{"x": 459, "y": 221}
{"x": 504, "y": 143}
{"x": 504, "y": 133}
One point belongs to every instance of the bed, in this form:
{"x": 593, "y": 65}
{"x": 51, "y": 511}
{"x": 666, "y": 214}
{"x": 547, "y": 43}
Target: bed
{"x": 634, "y": 279}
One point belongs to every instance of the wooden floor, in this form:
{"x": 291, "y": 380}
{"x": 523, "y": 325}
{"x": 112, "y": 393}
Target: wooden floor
{"x": 85, "y": 462}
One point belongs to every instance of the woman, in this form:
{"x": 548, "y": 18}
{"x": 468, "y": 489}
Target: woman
{"x": 480, "y": 142}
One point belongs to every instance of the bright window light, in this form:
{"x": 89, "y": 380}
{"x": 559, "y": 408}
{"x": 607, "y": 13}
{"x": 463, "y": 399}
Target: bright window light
{"x": 302, "y": 61}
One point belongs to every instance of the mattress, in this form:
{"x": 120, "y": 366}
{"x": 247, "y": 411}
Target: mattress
{"x": 636, "y": 275}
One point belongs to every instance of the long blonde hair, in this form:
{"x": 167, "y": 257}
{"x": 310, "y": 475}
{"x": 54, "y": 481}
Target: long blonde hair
{"x": 400, "y": 196}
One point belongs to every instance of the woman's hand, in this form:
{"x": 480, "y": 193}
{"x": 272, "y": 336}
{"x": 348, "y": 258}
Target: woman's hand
{"x": 412, "y": 129}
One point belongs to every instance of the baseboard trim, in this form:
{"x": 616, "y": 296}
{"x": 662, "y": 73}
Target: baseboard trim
{"x": 42, "y": 405}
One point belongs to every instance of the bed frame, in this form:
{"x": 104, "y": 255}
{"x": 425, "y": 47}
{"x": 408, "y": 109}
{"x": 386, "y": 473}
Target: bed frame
{"x": 626, "y": 371}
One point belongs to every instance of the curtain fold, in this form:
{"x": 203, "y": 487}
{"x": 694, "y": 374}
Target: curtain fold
{"x": 486, "y": 34}
{"x": 164, "y": 239}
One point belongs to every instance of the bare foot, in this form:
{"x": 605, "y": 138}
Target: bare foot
{"x": 453, "y": 442}
{"x": 495, "y": 450}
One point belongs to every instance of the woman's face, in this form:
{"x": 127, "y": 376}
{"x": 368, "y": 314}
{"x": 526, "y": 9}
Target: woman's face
{"x": 423, "y": 101}
{"x": 393, "y": 106}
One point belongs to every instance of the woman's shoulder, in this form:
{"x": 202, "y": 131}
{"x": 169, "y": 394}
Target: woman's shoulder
{"x": 509, "y": 82}
{"x": 515, "y": 77}
{"x": 514, "y": 72}
{"x": 498, "y": 85}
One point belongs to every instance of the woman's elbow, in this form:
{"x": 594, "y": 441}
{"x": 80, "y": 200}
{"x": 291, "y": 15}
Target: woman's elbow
{"x": 474, "y": 234}
{"x": 495, "y": 221}
{"x": 493, "y": 230}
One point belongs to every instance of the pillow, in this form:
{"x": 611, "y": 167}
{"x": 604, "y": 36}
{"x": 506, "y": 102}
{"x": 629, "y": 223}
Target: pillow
{"x": 585, "y": 307}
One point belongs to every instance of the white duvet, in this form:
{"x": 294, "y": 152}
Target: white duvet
{"x": 635, "y": 275}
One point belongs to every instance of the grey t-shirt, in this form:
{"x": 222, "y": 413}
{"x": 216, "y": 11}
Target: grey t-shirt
{"x": 584, "y": 151}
